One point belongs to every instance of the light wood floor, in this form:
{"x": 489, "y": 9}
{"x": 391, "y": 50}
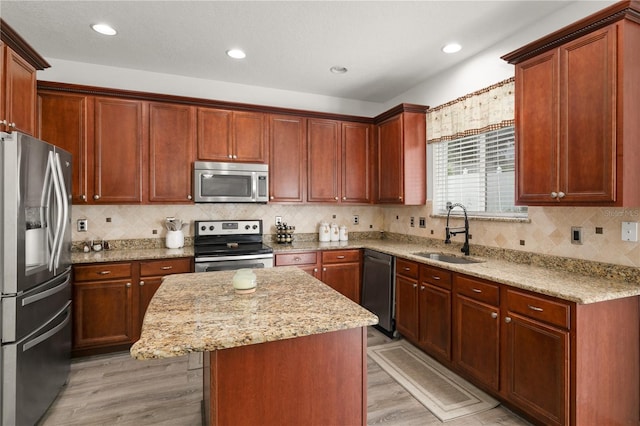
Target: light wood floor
{"x": 118, "y": 390}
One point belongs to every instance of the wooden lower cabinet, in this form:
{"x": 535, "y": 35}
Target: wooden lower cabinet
{"x": 110, "y": 299}
{"x": 434, "y": 312}
{"x": 407, "y": 299}
{"x": 339, "y": 269}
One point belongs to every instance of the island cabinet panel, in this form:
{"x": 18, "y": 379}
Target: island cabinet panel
{"x": 287, "y": 159}
{"x": 171, "y": 152}
{"x": 401, "y": 165}
{"x": 342, "y": 271}
{"x": 119, "y": 151}
{"x": 103, "y": 302}
{"x": 434, "y": 312}
{"x": 476, "y": 329}
{"x": 65, "y": 120}
{"x": 227, "y": 135}
{"x": 312, "y": 380}
{"x": 576, "y": 99}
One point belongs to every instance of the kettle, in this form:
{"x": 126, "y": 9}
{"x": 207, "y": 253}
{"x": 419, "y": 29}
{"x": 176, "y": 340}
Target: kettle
{"x": 324, "y": 232}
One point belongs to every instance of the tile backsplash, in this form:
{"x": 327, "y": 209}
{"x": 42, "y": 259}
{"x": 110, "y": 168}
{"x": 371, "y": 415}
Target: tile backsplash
{"x": 547, "y": 230}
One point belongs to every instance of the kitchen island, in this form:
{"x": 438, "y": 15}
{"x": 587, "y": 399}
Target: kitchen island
{"x": 292, "y": 352}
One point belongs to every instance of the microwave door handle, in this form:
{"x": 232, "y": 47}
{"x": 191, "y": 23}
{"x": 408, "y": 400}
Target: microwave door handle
{"x": 254, "y": 186}
{"x": 58, "y": 215}
{"x": 63, "y": 204}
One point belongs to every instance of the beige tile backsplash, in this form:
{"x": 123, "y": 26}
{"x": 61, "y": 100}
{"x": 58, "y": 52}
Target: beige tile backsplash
{"x": 547, "y": 231}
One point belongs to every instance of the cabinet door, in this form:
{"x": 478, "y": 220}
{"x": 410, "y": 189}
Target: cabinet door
{"x": 537, "y": 129}
{"x": 407, "y": 307}
{"x": 64, "y": 120}
{"x": 537, "y": 359}
{"x": 287, "y": 159}
{"x": 249, "y": 137}
{"x": 171, "y": 141}
{"x": 435, "y": 320}
{"x": 356, "y": 163}
{"x": 476, "y": 340}
{"x": 324, "y": 162}
{"x": 102, "y": 313}
{"x": 344, "y": 278}
{"x": 390, "y": 164}
{"x": 118, "y": 151}
{"x": 588, "y": 93}
{"x": 214, "y": 134}
{"x": 19, "y": 93}
{"x": 3, "y": 73}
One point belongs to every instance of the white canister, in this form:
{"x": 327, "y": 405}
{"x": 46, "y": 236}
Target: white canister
{"x": 324, "y": 232}
{"x": 175, "y": 239}
{"x": 344, "y": 234}
{"x": 335, "y": 232}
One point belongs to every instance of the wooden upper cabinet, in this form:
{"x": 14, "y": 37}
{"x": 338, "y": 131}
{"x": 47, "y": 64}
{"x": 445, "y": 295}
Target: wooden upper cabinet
{"x": 225, "y": 135}
{"x": 287, "y": 159}
{"x": 118, "y": 151}
{"x": 18, "y": 66}
{"x": 577, "y": 100}
{"x": 324, "y": 160}
{"x": 171, "y": 152}
{"x": 356, "y": 162}
{"x": 64, "y": 120}
{"x": 402, "y": 158}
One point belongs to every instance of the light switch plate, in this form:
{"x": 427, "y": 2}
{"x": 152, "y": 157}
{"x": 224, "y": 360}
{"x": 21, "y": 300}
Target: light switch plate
{"x": 630, "y": 231}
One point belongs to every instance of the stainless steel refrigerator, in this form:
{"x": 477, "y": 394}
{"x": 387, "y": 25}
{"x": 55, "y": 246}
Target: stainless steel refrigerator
{"x": 35, "y": 269}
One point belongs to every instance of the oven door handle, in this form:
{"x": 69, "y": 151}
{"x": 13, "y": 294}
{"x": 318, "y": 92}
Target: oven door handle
{"x": 227, "y": 258}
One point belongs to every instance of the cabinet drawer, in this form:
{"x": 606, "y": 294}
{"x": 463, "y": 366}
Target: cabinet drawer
{"x": 102, "y": 271}
{"x": 340, "y": 256}
{"x": 164, "y": 267}
{"x": 435, "y": 276}
{"x": 309, "y": 258}
{"x": 556, "y": 313}
{"x": 479, "y": 290}
{"x": 407, "y": 268}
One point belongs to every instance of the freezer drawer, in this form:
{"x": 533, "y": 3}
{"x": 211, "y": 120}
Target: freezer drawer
{"x": 34, "y": 369}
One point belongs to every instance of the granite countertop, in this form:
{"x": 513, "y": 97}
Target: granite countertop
{"x": 201, "y": 312}
{"x": 129, "y": 255}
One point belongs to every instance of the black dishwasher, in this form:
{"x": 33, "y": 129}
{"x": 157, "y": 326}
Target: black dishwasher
{"x": 378, "y": 289}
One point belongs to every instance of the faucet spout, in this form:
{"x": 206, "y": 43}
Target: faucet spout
{"x": 449, "y": 232}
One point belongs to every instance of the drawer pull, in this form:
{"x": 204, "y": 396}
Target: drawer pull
{"x": 476, "y": 290}
{"x": 435, "y": 277}
{"x": 339, "y": 257}
{"x": 297, "y": 259}
{"x": 166, "y": 268}
{"x": 104, "y": 272}
{"x": 407, "y": 269}
{"x": 535, "y": 308}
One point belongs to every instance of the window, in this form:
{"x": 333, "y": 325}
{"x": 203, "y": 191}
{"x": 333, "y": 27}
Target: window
{"x": 479, "y": 172}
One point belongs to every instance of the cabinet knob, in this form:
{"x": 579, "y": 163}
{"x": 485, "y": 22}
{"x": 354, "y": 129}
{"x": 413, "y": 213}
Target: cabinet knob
{"x": 400, "y": 198}
{"x": 297, "y": 259}
{"x": 315, "y": 269}
{"x": 141, "y": 283}
{"x": 3, "y": 122}
{"x": 189, "y": 197}
{"x": 554, "y": 195}
{"x": 422, "y": 287}
{"x": 336, "y": 198}
{"x": 561, "y": 194}
{"x": 96, "y": 197}
{"x": 11, "y": 125}
{"x": 83, "y": 197}
{"x": 507, "y": 320}
{"x": 324, "y": 269}
{"x": 344, "y": 198}
{"x": 230, "y": 156}
{"x": 271, "y": 197}
{"x": 415, "y": 285}
{"x": 235, "y": 156}
{"x": 494, "y": 315}
{"x": 127, "y": 285}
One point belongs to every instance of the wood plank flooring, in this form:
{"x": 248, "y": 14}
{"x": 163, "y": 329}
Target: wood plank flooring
{"x": 118, "y": 390}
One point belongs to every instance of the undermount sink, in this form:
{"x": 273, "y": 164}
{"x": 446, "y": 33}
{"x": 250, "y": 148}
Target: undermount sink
{"x": 447, "y": 258}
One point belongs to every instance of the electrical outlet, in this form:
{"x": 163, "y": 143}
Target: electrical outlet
{"x": 412, "y": 222}
{"x": 356, "y": 219}
{"x": 423, "y": 222}
{"x": 576, "y": 235}
{"x": 83, "y": 225}
{"x": 278, "y": 220}
{"x": 630, "y": 231}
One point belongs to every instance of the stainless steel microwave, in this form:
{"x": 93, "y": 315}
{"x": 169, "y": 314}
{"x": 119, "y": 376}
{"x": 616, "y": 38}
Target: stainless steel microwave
{"x": 230, "y": 182}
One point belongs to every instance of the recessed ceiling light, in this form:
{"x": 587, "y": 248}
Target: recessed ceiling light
{"x": 451, "y": 48}
{"x": 104, "y": 29}
{"x": 336, "y": 69}
{"x": 236, "y": 54}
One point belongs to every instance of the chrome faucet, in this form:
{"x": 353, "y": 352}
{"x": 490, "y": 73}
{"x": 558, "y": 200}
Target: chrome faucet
{"x": 456, "y": 231}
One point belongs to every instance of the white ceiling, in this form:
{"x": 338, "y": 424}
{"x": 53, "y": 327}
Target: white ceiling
{"x": 388, "y": 46}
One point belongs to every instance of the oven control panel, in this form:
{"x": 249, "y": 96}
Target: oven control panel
{"x": 228, "y": 227}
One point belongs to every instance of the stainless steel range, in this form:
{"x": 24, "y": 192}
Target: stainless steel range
{"x": 222, "y": 245}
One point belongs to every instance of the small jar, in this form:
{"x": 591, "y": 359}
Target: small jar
{"x": 335, "y": 232}
{"x": 344, "y": 234}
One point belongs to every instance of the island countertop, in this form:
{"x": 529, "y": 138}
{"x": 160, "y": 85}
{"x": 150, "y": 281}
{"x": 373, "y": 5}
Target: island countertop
{"x": 201, "y": 312}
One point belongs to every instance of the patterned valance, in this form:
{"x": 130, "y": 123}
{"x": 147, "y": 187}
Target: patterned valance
{"x": 488, "y": 109}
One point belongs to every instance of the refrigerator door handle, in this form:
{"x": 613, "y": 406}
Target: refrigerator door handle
{"x": 45, "y": 203}
{"x": 58, "y": 216}
{"x": 43, "y": 295}
{"x": 63, "y": 203}
{"x": 48, "y": 334}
